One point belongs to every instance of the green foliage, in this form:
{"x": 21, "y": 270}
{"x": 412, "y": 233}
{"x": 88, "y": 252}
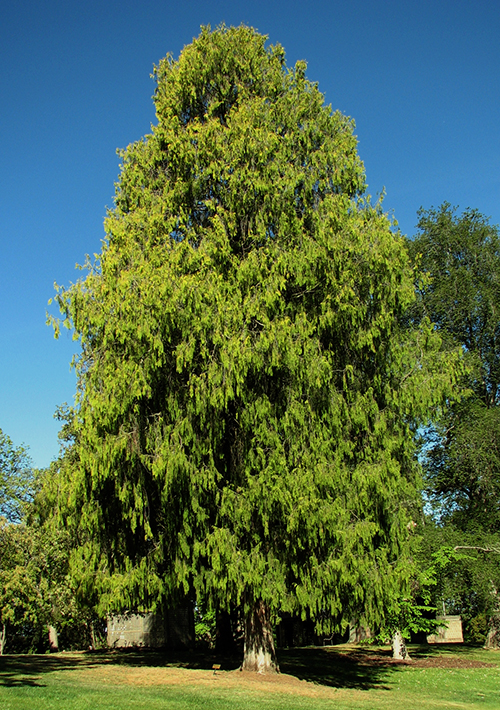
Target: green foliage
{"x": 464, "y": 468}
{"x": 409, "y": 617}
{"x": 205, "y": 626}
{"x": 37, "y": 585}
{"x": 246, "y": 400}
{"x": 466, "y": 572}
{"x": 414, "y": 612}
{"x": 35, "y": 590}
{"x": 17, "y": 479}
{"x": 83, "y": 576}
{"x": 477, "y": 629}
{"x": 461, "y": 295}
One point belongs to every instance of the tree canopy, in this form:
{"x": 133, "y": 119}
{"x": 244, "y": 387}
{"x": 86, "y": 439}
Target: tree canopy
{"x": 247, "y": 400}
{"x": 461, "y": 255}
{"x": 35, "y": 586}
{"x": 17, "y": 479}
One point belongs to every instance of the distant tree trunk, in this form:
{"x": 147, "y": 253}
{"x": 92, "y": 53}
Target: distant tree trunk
{"x": 93, "y": 638}
{"x": 259, "y": 654}
{"x": 493, "y": 637}
{"x": 224, "y": 638}
{"x": 399, "y": 650}
{"x": 3, "y": 638}
{"x": 53, "y": 639}
{"x": 358, "y": 633}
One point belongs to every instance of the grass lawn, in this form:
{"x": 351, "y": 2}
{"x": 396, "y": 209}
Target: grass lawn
{"x": 340, "y": 677}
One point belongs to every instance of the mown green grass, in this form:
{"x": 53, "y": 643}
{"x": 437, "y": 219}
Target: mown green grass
{"x": 344, "y": 678}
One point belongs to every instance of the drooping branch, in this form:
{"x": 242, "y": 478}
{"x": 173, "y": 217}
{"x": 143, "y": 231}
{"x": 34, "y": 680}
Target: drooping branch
{"x": 475, "y": 547}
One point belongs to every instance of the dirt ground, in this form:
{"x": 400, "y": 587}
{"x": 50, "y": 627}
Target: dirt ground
{"x": 447, "y": 662}
{"x": 278, "y": 682}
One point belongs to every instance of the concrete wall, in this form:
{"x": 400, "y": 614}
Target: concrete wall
{"x": 140, "y": 630}
{"x": 449, "y": 633}
{"x": 174, "y": 629}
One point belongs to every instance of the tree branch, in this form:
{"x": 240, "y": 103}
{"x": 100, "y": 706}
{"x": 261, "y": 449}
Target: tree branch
{"x": 474, "y": 547}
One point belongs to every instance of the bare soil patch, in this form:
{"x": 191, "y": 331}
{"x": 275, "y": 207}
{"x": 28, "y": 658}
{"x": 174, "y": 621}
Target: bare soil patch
{"x": 448, "y": 662}
{"x": 374, "y": 660}
{"x": 172, "y": 676}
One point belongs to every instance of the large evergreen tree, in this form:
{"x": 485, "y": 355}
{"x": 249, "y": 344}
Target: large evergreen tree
{"x": 246, "y": 401}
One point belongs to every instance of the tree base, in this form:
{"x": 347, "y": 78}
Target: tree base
{"x": 399, "y": 650}
{"x": 259, "y": 655}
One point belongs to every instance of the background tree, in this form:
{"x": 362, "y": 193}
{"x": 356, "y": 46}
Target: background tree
{"x": 461, "y": 254}
{"x": 74, "y": 587}
{"x": 246, "y": 399}
{"x": 37, "y": 599}
{"x": 39, "y": 590}
{"x": 17, "y": 479}
{"x": 17, "y": 486}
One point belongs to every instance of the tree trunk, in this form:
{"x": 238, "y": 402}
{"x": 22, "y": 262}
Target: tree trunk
{"x": 259, "y": 654}
{"x": 399, "y": 650}
{"x": 3, "y": 638}
{"x": 93, "y": 638}
{"x": 358, "y": 633}
{"x": 53, "y": 639}
{"x": 493, "y": 637}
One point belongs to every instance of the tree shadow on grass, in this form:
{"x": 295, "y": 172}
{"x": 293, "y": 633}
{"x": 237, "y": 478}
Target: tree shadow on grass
{"x": 333, "y": 666}
{"x": 360, "y": 668}
{"x": 27, "y": 669}
{"x": 343, "y": 666}
{"x": 339, "y": 667}
{"x": 443, "y": 649}
{"x": 14, "y": 680}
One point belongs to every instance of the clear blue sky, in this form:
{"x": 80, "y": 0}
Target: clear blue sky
{"x": 421, "y": 79}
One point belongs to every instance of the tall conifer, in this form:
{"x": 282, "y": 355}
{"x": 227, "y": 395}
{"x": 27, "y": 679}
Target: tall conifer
{"x": 246, "y": 401}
